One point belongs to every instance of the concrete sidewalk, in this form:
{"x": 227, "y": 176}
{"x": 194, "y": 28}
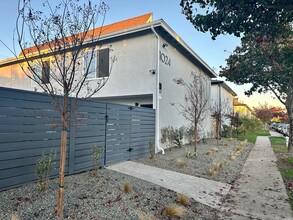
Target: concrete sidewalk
{"x": 205, "y": 191}
{"x": 259, "y": 192}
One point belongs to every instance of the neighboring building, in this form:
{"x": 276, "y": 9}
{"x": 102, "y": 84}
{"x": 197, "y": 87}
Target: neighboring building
{"x": 149, "y": 56}
{"x": 222, "y": 97}
{"x": 242, "y": 109}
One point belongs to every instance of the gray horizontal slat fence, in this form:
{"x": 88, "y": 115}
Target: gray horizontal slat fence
{"x": 142, "y": 131}
{"x": 29, "y": 127}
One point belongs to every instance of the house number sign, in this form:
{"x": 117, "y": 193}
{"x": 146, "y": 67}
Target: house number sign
{"x": 165, "y": 59}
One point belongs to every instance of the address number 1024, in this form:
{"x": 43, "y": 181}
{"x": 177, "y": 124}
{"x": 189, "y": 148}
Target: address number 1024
{"x": 165, "y": 59}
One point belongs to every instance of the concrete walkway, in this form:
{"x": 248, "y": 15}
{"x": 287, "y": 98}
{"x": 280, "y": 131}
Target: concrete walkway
{"x": 205, "y": 191}
{"x": 259, "y": 192}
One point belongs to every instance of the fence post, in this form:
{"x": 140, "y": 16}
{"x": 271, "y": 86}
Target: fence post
{"x": 71, "y": 156}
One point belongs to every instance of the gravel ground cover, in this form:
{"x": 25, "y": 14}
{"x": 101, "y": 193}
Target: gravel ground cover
{"x": 101, "y": 197}
{"x": 229, "y": 157}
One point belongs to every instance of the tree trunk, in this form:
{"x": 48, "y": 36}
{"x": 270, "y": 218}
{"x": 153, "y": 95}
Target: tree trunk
{"x": 62, "y": 157}
{"x": 217, "y": 130}
{"x": 289, "y": 107}
{"x": 195, "y": 136}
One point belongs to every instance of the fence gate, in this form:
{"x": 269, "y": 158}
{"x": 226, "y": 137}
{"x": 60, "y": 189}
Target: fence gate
{"x": 128, "y": 132}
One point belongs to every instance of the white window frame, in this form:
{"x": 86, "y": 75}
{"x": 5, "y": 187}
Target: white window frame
{"x": 39, "y": 72}
{"x": 95, "y": 60}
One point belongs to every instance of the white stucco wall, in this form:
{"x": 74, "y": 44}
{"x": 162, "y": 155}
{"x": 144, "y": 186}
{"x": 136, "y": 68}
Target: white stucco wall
{"x": 130, "y": 74}
{"x": 220, "y": 93}
{"x": 172, "y": 93}
{"x": 13, "y": 77}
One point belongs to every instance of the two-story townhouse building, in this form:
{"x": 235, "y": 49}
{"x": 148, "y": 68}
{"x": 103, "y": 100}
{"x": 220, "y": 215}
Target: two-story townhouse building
{"x": 222, "y": 97}
{"x": 148, "y": 55}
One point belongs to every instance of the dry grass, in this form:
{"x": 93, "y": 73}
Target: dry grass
{"x": 239, "y": 148}
{"x": 127, "y": 187}
{"x": 183, "y": 199}
{"x": 232, "y": 157}
{"x": 215, "y": 149}
{"x": 144, "y": 216}
{"x": 221, "y": 164}
{"x": 243, "y": 143}
{"x": 209, "y": 153}
{"x": 15, "y": 217}
{"x": 180, "y": 162}
{"x": 174, "y": 210}
{"x": 211, "y": 171}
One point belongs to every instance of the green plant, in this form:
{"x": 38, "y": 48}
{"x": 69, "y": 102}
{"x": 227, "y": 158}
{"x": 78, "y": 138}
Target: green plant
{"x": 189, "y": 134}
{"x": 152, "y": 149}
{"x": 98, "y": 153}
{"x": 190, "y": 154}
{"x": 178, "y": 136}
{"x": 289, "y": 160}
{"x": 167, "y": 136}
{"x": 127, "y": 187}
{"x": 174, "y": 210}
{"x": 44, "y": 168}
{"x": 182, "y": 199}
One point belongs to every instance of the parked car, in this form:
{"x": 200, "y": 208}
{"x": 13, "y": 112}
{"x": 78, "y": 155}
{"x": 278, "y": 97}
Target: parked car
{"x": 286, "y": 129}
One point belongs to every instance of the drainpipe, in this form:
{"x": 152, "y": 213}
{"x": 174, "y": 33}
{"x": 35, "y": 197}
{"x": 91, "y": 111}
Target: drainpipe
{"x": 157, "y": 127}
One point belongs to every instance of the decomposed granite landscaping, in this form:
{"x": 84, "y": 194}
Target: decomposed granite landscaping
{"x": 112, "y": 195}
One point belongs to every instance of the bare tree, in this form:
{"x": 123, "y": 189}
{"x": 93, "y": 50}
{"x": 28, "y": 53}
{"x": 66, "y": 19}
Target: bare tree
{"x": 62, "y": 56}
{"x": 196, "y": 99}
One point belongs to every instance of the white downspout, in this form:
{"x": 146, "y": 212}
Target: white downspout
{"x": 157, "y": 127}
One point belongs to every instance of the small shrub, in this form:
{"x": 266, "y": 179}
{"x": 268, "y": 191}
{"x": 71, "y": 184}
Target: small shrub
{"x": 43, "y": 169}
{"x": 167, "y": 134}
{"x": 183, "y": 199}
{"x": 180, "y": 162}
{"x": 127, "y": 187}
{"x": 221, "y": 164}
{"x": 144, "y": 216}
{"x": 98, "y": 153}
{"x": 190, "y": 154}
{"x": 152, "y": 149}
{"x": 174, "y": 210}
{"x": 178, "y": 136}
{"x": 189, "y": 134}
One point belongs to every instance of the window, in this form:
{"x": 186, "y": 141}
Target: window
{"x": 42, "y": 69}
{"x": 97, "y": 64}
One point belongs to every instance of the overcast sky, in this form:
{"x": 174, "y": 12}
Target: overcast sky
{"x": 212, "y": 52}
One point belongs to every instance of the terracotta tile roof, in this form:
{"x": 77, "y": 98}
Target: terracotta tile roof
{"x": 107, "y": 29}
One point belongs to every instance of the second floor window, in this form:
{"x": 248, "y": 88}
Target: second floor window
{"x": 42, "y": 72}
{"x": 96, "y": 64}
